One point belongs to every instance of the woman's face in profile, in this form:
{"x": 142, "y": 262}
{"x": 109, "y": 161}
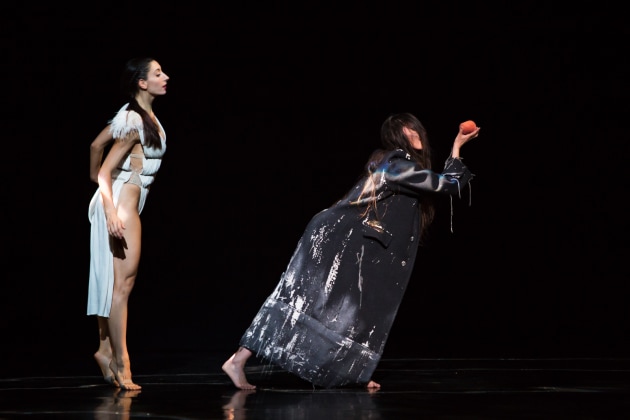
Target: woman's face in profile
{"x": 413, "y": 137}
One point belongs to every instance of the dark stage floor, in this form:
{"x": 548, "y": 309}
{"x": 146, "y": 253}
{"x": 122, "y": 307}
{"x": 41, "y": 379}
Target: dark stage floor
{"x": 195, "y": 388}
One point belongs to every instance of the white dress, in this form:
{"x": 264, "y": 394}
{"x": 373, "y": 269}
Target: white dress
{"x": 101, "y": 285}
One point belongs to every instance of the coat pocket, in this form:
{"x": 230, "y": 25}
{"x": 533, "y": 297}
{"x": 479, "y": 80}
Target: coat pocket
{"x": 373, "y": 229}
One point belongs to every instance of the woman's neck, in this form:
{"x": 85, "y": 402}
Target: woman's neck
{"x": 145, "y": 100}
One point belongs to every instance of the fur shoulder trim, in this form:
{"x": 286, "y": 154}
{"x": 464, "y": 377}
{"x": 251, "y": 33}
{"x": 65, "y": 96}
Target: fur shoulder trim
{"x": 125, "y": 122}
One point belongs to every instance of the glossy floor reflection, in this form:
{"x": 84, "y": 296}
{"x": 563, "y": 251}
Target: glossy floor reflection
{"x": 411, "y": 389}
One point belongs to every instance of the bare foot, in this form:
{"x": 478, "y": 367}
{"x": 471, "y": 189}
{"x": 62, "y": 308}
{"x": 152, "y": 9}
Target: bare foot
{"x": 123, "y": 377}
{"x": 103, "y": 362}
{"x": 235, "y": 370}
{"x": 373, "y": 386}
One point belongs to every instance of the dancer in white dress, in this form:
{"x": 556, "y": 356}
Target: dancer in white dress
{"x": 138, "y": 142}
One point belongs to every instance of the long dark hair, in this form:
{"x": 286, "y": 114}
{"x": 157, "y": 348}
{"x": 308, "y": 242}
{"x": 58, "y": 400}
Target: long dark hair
{"x": 137, "y": 69}
{"x": 392, "y": 138}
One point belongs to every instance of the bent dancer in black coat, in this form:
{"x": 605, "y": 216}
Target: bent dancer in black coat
{"x": 328, "y": 319}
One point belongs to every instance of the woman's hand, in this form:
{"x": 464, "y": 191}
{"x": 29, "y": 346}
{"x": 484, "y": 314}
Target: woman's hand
{"x": 462, "y": 139}
{"x": 115, "y": 226}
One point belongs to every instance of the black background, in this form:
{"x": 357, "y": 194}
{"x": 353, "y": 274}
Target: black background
{"x": 270, "y": 114}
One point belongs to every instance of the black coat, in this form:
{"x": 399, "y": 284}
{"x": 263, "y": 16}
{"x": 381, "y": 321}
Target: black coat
{"x": 329, "y": 317}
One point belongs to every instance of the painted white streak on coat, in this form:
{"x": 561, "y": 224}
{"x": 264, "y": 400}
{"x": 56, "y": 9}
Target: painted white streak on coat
{"x": 360, "y": 280}
{"x": 346, "y": 343}
{"x": 289, "y": 284}
{"x": 365, "y": 354}
{"x": 263, "y": 329}
{"x": 332, "y": 274}
{"x": 291, "y": 344}
{"x": 334, "y": 268}
{"x": 317, "y": 240}
{"x": 298, "y": 303}
{"x": 367, "y": 343}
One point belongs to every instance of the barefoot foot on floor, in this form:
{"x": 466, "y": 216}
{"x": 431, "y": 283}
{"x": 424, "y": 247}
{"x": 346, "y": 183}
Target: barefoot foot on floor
{"x": 103, "y": 363}
{"x": 236, "y": 373}
{"x": 123, "y": 378}
{"x": 373, "y": 386}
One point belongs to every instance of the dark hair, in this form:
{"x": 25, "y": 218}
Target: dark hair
{"x": 137, "y": 69}
{"x": 392, "y": 138}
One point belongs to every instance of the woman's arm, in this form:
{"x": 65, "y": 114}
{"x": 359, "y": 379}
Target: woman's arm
{"x": 406, "y": 176}
{"x": 116, "y": 154}
{"x": 96, "y": 151}
{"x": 462, "y": 139}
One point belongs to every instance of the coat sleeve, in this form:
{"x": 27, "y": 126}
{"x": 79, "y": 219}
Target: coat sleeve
{"x": 405, "y": 176}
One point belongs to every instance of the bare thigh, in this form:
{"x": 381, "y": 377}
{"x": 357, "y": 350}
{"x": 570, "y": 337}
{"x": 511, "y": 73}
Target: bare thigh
{"x": 127, "y": 250}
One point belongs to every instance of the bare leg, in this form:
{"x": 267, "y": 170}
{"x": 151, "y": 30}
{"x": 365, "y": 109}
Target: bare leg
{"x": 103, "y": 355}
{"x": 120, "y": 363}
{"x": 235, "y": 368}
{"x": 126, "y": 261}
